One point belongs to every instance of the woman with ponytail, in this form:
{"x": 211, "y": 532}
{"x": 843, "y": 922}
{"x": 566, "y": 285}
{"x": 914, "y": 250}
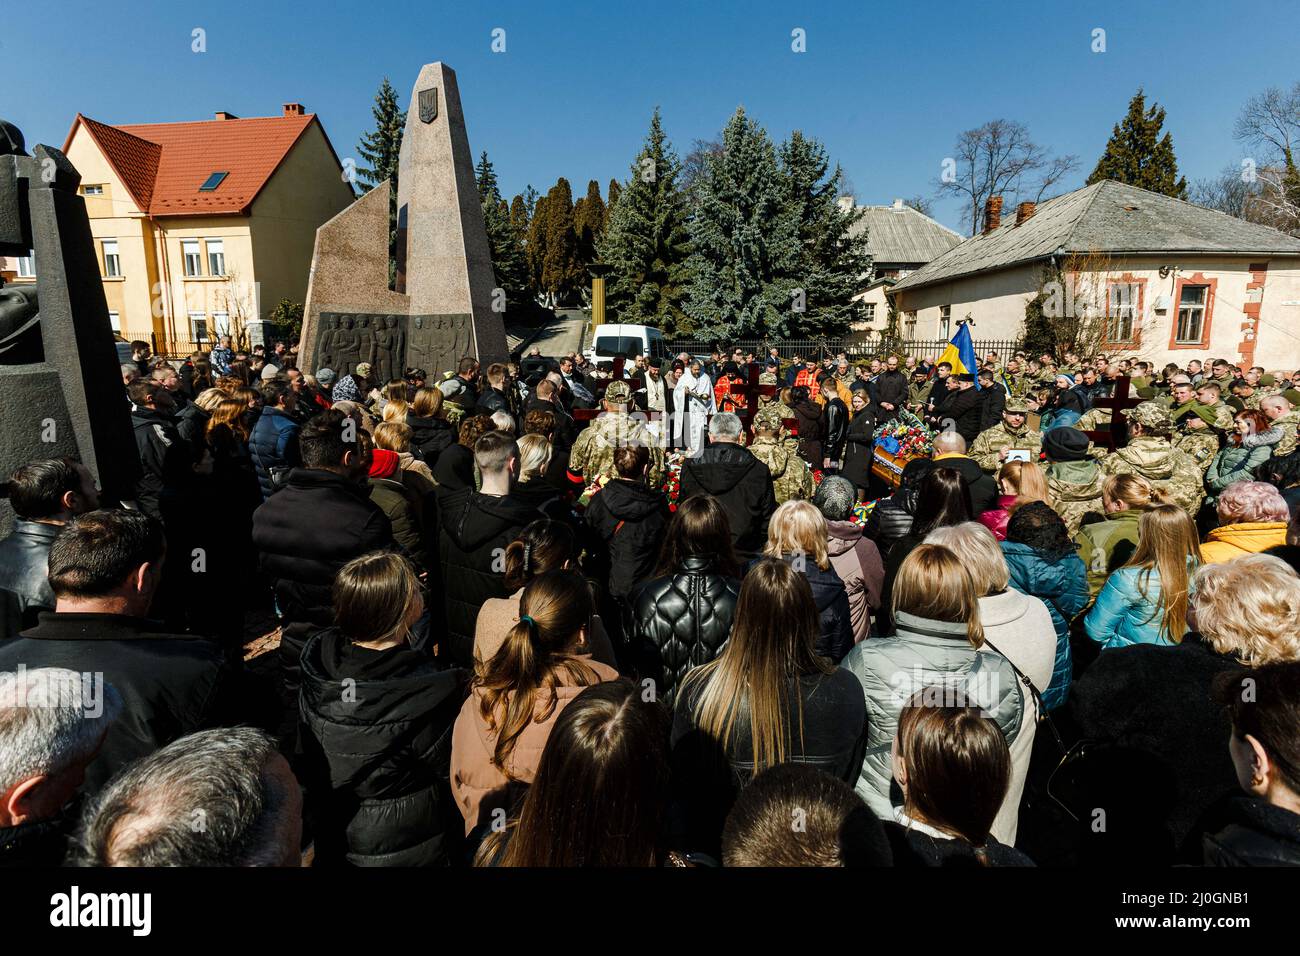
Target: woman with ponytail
{"x": 517, "y": 694}
{"x": 1106, "y": 545}
{"x": 542, "y": 547}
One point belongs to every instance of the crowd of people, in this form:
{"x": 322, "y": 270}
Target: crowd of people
{"x": 542, "y": 614}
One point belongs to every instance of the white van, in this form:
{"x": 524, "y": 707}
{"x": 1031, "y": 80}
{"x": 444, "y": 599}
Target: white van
{"x": 610, "y": 341}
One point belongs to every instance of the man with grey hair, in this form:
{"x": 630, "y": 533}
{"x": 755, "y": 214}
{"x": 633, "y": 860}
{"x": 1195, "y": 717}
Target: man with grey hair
{"x": 741, "y": 483}
{"x": 222, "y": 797}
{"x": 52, "y": 724}
{"x": 855, "y": 557}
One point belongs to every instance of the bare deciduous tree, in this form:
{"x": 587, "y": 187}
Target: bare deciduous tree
{"x": 1000, "y": 159}
{"x": 1271, "y": 118}
{"x": 1270, "y": 124}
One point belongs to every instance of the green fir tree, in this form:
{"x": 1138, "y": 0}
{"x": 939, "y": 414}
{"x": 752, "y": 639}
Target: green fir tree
{"x": 1138, "y": 155}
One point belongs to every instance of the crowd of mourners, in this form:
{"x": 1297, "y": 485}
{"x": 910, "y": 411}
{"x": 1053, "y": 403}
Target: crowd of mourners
{"x": 544, "y": 614}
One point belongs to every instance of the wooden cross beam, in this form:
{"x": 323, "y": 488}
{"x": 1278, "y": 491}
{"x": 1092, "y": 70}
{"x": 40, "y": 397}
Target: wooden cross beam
{"x": 1119, "y": 402}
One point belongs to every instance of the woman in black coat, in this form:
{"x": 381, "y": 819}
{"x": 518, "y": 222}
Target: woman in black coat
{"x": 431, "y": 433}
{"x": 891, "y": 518}
{"x": 681, "y": 618}
{"x": 859, "y": 449}
{"x": 808, "y": 419}
{"x": 378, "y": 715}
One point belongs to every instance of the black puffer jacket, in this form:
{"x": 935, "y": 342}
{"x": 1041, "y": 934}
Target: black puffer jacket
{"x": 965, "y": 408}
{"x": 630, "y": 518}
{"x": 1255, "y": 833}
{"x": 680, "y": 621}
{"x": 743, "y": 486}
{"x": 24, "y": 568}
{"x": 319, "y": 522}
{"x": 430, "y": 437}
{"x": 475, "y": 530}
{"x": 891, "y": 519}
{"x": 379, "y": 752}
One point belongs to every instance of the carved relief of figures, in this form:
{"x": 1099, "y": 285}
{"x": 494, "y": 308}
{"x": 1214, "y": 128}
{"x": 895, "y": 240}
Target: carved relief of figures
{"x": 388, "y": 352}
{"x": 347, "y": 346}
{"x": 439, "y": 342}
{"x": 325, "y": 340}
{"x": 347, "y": 340}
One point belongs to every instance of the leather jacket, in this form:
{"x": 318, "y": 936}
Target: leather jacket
{"x": 24, "y": 564}
{"x": 837, "y": 430}
{"x": 681, "y": 621}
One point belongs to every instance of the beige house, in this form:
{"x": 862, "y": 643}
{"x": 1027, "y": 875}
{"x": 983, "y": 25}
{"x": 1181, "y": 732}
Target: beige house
{"x": 202, "y": 227}
{"x": 1161, "y": 279}
{"x": 900, "y": 240}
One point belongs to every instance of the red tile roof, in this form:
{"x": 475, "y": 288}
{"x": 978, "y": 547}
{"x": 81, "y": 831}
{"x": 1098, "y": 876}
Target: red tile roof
{"x": 164, "y": 164}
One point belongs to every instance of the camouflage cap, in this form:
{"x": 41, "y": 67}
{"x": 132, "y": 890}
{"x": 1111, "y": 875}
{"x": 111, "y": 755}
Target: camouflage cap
{"x": 767, "y": 378}
{"x": 769, "y": 417}
{"x": 1015, "y": 405}
{"x": 618, "y": 393}
{"x": 1153, "y": 417}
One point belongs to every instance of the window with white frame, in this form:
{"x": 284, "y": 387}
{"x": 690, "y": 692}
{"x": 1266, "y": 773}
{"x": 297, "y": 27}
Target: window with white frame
{"x": 1121, "y": 311}
{"x": 115, "y": 322}
{"x": 112, "y": 264}
{"x": 945, "y": 320}
{"x": 27, "y": 267}
{"x": 870, "y": 309}
{"x": 193, "y": 259}
{"x": 221, "y": 323}
{"x": 1191, "y": 313}
{"x": 94, "y": 190}
{"x": 909, "y": 323}
{"x": 216, "y": 257}
{"x": 198, "y": 326}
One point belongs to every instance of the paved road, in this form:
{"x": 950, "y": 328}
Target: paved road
{"x": 563, "y": 334}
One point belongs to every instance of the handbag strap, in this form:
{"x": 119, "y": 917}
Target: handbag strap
{"x": 1043, "y": 716}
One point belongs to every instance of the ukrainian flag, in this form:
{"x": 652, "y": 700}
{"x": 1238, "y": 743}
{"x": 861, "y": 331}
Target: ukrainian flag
{"x": 960, "y": 353}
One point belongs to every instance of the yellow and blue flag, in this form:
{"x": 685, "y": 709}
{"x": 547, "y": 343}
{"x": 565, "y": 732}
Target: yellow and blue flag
{"x": 960, "y": 354}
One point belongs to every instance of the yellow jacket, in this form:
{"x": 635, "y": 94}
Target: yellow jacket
{"x": 1234, "y": 540}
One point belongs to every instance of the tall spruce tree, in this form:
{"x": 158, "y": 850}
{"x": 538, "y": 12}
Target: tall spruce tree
{"x": 833, "y": 261}
{"x": 508, "y": 259}
{"x": 746, "y": 258}
{"x": 614, "y": 189}
{"x": 647, "y": 243}
{"x": 1138, "y": 155}
{"x": 381, "y": 148}
{"x": 536, "y": 247}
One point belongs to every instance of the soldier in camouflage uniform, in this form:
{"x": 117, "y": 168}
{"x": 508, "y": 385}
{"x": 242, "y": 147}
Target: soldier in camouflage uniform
{"x": 791, "y": 475}
{"x": 1197, "y": 424}
{"x": 1012, "y": 432}
{"x": 593, "y": 452}
{"x": 774, "y": 400}
{"x": 1282, "y": 415}
{"x": 1151, "y": 454}
{"x": 1073, "y": 476}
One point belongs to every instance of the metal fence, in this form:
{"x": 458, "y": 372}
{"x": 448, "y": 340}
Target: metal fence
{"x": 855, "y": 346}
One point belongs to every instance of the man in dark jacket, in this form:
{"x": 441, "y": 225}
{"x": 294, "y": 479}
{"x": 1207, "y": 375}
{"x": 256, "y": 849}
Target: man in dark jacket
{"x": 494, "y": 397}
{"x": 630, "y": 518}
{"x": 105, "y": 567}
{"x": 166, "y": 459}
{"x": 274, "y": 442}
{"x": 891, "y": 389}
{"x": 45, "y": 495}
{"x": 950, "y": 452}
{"x": 1090, "y": 388}
{"x": 740, "y": 482}
{"x": 321, "y": 520}
{"x": 964, "y": 409}
{"x": 995, "y": 399}
{"x": 546, "y": 397}
{"x": 835, "y": 425}
{"x": 476, "y": 528}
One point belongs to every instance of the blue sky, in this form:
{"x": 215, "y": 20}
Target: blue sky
{"x": 886, "y": 86}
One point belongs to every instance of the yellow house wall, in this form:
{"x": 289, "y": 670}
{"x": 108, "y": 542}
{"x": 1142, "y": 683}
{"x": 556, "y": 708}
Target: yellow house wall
{"x": 306, "y": 191}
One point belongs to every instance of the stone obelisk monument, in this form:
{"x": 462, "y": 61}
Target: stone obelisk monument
{"x": 444, "y": 303}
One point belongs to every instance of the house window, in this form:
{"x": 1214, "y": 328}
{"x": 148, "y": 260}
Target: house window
{"x": 198, "y": 326}
{"x": 1191, "y": 314}
{"x": 193, "y": 261}
{"x": 871, "y": 311}
{"x": 216, "y": 257}
{"x": 221, "y": 323}
{"x": 212, "y": 182}
{"x": 97, "y": 190}
{"x": 115, "y": 322}
{"x": 945, "y": 320}
{"x": 1121, "y": 312}
{"x": 112, "y": 264}
{"x": 909, "y": 323}
{"x": 27, "y": 267}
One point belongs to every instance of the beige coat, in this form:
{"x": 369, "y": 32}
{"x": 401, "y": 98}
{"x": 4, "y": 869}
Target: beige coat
{"x": 478, "y": 786}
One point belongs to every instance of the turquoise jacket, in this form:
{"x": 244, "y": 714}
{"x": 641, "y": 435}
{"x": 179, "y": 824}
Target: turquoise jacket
{"x": 1124, "y": 615}
{"x": 1061, "y": 584}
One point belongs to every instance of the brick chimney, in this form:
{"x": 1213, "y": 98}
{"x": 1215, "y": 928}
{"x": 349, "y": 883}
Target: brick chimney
{"x": 223, "y": 115}
{"x": 992, "y": 213}
{"x": 1024, "y": 211}
{"x": 293, "y": 109}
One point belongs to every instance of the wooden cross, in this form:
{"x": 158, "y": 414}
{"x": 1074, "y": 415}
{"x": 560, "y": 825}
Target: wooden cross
{"x": 1118, "y": 403}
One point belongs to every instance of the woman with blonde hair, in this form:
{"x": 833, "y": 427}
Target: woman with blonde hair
{"x": 395, "y": 410}
{"x": 1158, "y": 701}
{"x": 797, "y": 534}
{"x": 938, "y": 638}
{"x": 535, "y": 453}
{"x": 517, "y": 694}
{"x": 1018, "y": 482}
{"x": 768, "y": 698}
{"x": 431, "y": 433}
{"x": 1146, "y": 600}
{"x": 395, "y": 436}
{"x": 378, "y": 713}
{"x": 1253, "y": 517}
{"x": 1106, "y": 545}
